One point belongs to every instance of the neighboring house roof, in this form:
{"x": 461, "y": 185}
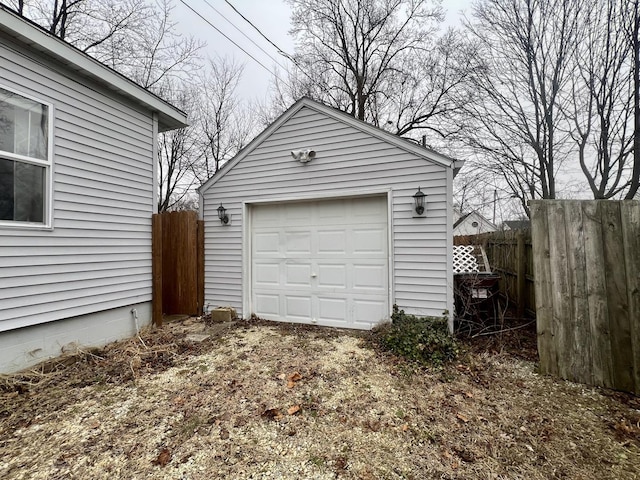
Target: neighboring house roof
{"x": 29, "y": 33}
{"x": 339, "y": 115}
{"x": 517, "y": 224}
{"x": 461, "y": 219}
{"x": 482, "y": 224}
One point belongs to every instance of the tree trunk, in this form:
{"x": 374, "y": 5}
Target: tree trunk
{"x": 635, "y": 45}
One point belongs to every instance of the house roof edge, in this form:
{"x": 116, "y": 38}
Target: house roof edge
{"x": 39, "y": 39}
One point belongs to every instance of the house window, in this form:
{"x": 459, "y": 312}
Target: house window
{"x": 474, "y": 224}
{"x": 25, "y": 159}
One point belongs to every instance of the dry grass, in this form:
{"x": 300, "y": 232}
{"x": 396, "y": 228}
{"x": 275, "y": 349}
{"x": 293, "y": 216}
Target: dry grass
{"x": 232, "y": 407}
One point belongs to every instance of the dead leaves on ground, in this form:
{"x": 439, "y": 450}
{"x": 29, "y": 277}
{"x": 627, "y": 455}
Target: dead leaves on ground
{"x": 275, "y": 413}
{"x": 292, "y": 379}
{"x": 293, "y": 409}
{"x": 164, "y": 457}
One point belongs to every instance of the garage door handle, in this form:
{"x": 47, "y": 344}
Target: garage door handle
{"x": 313, "y": 275}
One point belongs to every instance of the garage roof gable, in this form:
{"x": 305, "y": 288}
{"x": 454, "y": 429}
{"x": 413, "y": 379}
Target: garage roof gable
{"x": 402, "y": 143}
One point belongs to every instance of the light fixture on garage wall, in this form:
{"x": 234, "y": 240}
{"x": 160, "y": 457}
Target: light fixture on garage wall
{"x": 303, "y": 156}
{"x": 222, "y": 215}
{"x": 419, "y": 198}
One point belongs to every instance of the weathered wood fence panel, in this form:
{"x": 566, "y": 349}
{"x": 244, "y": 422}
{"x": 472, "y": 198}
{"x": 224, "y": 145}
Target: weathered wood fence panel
{"x": 587, "y": 280}
{"x": 510, "y": 255}
{"x": 178, "y": 264}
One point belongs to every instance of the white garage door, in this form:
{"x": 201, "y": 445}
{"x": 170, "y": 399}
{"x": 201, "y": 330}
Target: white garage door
{"x": 321, "y": 262}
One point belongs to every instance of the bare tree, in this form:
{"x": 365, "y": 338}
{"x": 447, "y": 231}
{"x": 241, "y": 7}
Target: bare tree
{"x": 155, "y": 52}
{"x": 600, "y": 109}
{"x": 527, "y": 47}
{"x": 631, "y": 22}
{"x": 431, "y": 91}
{"x": 178, "y": 153}
{"x": 136, "y": 38}
{"x": 225, "y": 124}
{"x": 86, "y": 24}
{"x": 381, "y": 61}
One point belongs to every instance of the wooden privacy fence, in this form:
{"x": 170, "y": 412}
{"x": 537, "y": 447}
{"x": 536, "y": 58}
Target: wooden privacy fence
{"x": 509, "y": 254}
{"x": 178, "y": 264}
{"x": 587, "y": 271}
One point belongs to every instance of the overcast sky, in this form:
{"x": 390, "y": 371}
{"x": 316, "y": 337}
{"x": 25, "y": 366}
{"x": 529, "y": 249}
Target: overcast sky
{"x": 270, "y": 16}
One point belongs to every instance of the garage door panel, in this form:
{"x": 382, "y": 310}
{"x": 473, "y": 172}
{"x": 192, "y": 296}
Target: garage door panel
{"x": 370, "y": 277}
{"x": 267, "y": 274}
{"x": 298, "y": 275}
{"x": 267, "y": 305}
{"x": 369, "y": 212}
{"x": 332, "y": 241}
{"x": 297, "y": 243}
{"x": 266, "y": 243}
{"x": 297, "y": 307}
{"x": 331, "y": 309}
{"x": 269, "y": 216}
{"x": 368, "y": 311}
{"x": 295, "y": 213}
{"x": 369, "y": 241}
{"x": 331, "y": 212}
{"x": 332, "y": 276}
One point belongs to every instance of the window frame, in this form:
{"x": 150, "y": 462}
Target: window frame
{"x": 47, "y": 223}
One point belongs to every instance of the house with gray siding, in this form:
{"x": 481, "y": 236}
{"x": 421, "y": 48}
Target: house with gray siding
{"x": 77, "y": 193}
{"x": 316, "y": 222}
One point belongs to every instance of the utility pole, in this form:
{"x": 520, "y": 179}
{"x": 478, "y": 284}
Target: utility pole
{"x": 495, "y": 200}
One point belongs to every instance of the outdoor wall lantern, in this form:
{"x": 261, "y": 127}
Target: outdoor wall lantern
{"x": 222, "y": 215}
{"x": 419, "y": 199}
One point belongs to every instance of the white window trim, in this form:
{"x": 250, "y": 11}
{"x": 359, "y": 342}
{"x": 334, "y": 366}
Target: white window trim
{"x": 48, "y": 164}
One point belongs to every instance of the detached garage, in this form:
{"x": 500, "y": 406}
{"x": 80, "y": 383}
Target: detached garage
{"x": 317, "y": 221}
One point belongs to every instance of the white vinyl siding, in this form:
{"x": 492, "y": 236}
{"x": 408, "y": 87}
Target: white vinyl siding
{"x": 97, "y": 254}
{"x": 349, "y": 162}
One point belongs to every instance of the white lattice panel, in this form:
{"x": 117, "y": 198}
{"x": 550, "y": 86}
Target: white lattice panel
{"x": 464, "y": 261}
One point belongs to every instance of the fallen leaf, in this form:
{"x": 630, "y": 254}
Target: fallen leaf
{"x": 163, "y": 458}
{"x": 293, "y": 410}
{"x": 468, "y": 394}
{"x": 292, "y": 379}
{"x": 224, "y": 434}
{"x": 405, "y": 427}
{"x": 95, "y": 424}
{"x": 462, "y": 417}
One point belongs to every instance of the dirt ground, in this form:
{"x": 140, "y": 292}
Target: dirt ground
{"x": 260, "y": 400}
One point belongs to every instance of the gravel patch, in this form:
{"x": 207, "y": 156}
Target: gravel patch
{"x": 268, "y": 401}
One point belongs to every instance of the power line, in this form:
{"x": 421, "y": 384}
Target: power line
{"x": 280, "y": 51}
{"x": 225, "y": 36}
{"x": 244, "y": 34}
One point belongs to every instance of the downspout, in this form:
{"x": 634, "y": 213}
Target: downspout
{"x": 154, "y": 155}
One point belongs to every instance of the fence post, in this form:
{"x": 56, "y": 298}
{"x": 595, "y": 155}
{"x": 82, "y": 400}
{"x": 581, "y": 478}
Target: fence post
{"x": 521, "y": 272}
